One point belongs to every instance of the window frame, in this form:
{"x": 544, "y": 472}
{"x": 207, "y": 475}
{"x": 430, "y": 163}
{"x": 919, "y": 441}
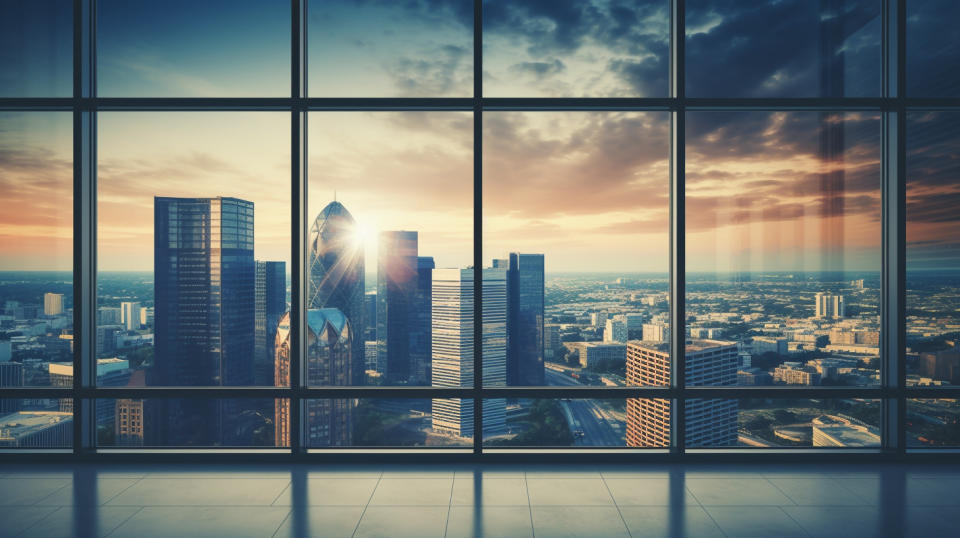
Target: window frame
{"x": 893, "y": 105}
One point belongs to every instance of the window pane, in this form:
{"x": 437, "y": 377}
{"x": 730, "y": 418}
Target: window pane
{"x": 783, "y": 48}
{"x": 36, "y": 247}
{"x": 933, "y": 248}
{"x": 36, "y": 423}
{"x": 786, "y": 423}
{"x": 391, "y": 49}
{"x": 574, "y": 48}
{"x": 183, "y": 48}
{"x": 563, "y": 422}
{"x": 783, "y": 246}
{"x": 385, "y": 422}
{"x": 186, "y": 422}
{"x": 193, "y": 242}
{"x": 933, "y": 423}
{"x": 576, "y": 218}
{"x": 933, "y": 48}
{"x": 36, "y": 48}
{"x": 391, "y": 205}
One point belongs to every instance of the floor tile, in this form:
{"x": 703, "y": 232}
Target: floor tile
{"x": 644, "y": 491}
{"x": 817, "y": 492}
{"x": 212, "y": 521}
{"x": 326, "y": 521}
{"x": 593, "y": 521}
{"x": 27, "y": 491}
{"x": 491, "y": 471}
{"x": 755, "y": 521}
{"x": 494, "y": 491}
{"x": 418, "y": 471}
{"x": 467, "y": 521}
{"x": 930, "y": 522}
{"x": 838, "y": 521}
{"x": 932, "y": 492}
{"x": 332, "y": 492}
{"x": 15, "y": 519}
{"x": 106, "y": 489}
{"x": 201, "y": 492}
{"x": 867, "y": 489}
{"x": 413, "y": 492}
{"x": 568, "y": 492}
{"x": 63, "y": 522}
{"x": 403, "y": 521}
{"x": 562, "y": 471}
{"x": 736, "y": 492}
{"x": 662, "y": 521}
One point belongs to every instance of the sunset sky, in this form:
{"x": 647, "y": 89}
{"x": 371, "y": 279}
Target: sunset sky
{"x": 588, "y": 189}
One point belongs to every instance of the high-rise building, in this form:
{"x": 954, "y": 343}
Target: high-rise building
{"x": 270, "y": 297}
{"x": 396, "y": 290}
{"x": 336, "y": 277}
{"x": 52, "y": 304}
{"x": 11, "y": 375}
{"x": 655, "y": 332}
{"x": 709, "y": 422}
{"x": 420, "y": 328}
{"x": 615, "y": 331}
{"x": 146, "y": 316}
{"x": 204, "y": 275}
{"x": 453, "y": 349}
{"x": 130, "y": 315}
{"x": 525, "y": 282}
{"x": 370, "y": 315}
{"x": 329, "y": 341}
{"x": 598, "y": 319}
{"x": 941, "y": 365}
{"x": 36, "y": 429}
{"x": 112, "y": 372}
{"x": 828, "y": 305}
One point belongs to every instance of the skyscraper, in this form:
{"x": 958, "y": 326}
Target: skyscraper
{"x": 828, "y": 305}
{"x": 204, "y": 275}
{"x": 525, "y": 282}
{"x": 615, "y": 331}
{"x": 336, "y": 275}
{"x": 130, "y": 315}
{"x": 271, "y": 303}
{"x": 421, "y": 328}
{"x": 396, "y": 293}
{"x": 452, "y": 336}
{"x": 52, "y": 304}
{"x": 709, "y": 422}
{"x": 329, "y": 341}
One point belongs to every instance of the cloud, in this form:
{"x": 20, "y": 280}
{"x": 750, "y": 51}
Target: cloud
{"x": 443, "y": 70}
{"x": 538, "y": 70}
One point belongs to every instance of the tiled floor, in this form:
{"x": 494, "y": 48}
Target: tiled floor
{"x": 395, "y": 501}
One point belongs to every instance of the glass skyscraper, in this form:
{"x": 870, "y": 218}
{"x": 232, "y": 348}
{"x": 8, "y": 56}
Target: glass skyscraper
{"x": 397, "y": 280}
{"x": 525, "y": 282}
{"x": 271, "y": 301}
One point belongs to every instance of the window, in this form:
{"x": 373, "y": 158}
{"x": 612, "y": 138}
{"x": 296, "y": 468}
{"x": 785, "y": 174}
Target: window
{"x": 479, "y": 227}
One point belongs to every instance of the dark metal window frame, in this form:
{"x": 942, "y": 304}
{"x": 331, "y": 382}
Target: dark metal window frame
{"x": 893, "y": 106}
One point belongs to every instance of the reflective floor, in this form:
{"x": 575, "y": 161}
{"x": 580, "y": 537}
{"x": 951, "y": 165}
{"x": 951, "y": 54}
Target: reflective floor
{"x": 445, "y": 500}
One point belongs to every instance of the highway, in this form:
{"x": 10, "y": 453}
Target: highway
{"x": 586, "y": 415}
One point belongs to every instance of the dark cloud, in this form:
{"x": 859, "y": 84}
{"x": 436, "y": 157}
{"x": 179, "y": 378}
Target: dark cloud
{"x": 538, "y": 70}
{"x": 439, "y": 73}
{"x": 933, "y": 48}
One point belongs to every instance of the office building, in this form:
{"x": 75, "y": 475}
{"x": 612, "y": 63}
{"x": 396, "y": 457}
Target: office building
{"x": 146, "y": 316}
{"x": 36, "y": 429}
{"x": 615, "y": 331}
{"x": 525, "y": 333}
{"x": 768, "y": 344}
{"x": 827, "y": 305}
{"x": 52, "y": 304}
{"x": 336, "y": 277}
{"x": 370, "y": 315}
{"x": 709, "y": 422}
{"x": 270, "y": 298}
{"x": 370, "y": 355}
{"x": 397, "y": 280}
{"x": 656, "y": 332}
{"x": 421, "y": 313}
{"x": 329, "y": 341}
{"x": 111, "y": 372}
{"x": 204, "y": 275}
{"x": 794, "y": 373}
{"x": 109, "y": 315}
{"x": 453, "y": 349}
{"x": 598, "y": 319}
{"x": 11, "y": 375}
{"x": 941, "y": 365}
{"x": 130, "y": 315}
{"x": 841, "y": 431}
{"x": 594, "y": 353}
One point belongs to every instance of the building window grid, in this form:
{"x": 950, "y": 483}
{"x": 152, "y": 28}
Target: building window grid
{"x": 893, "y": 105}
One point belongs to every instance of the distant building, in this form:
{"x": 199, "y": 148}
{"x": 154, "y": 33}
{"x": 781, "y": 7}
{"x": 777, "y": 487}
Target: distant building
{"x": 111, "y": 372}
{"x": 370, "y": 316}
{"x": 52, "y": 304}
{"x": 941, "y": 365}
{"x": 857, "y": 284}
{"x": 598, "y": 319}
{"x": 146, "y": 316}
{"x": 656, "y": 332}
{"x": 130, "y": 315}
{"x": 370, "y": 354}
{"x": 109, "y": 315}
{"x": 634, "y": 323}
{"x": 551, "y": 339}
{"x": 453, "y": 349}
{"x": 525, "y": 310}
{"x": 839, "y": 431}
{"x": 592, "y": 353}
{"x": 753, "y": 376}
{"x": 36, "y": 429}
{"x": 615, "y": 331}
{"x": 421, "y": 314}
{"x": 128, "y": 424}
{"x": 11, "y": 375}
{"x": 270, "y": 300}
{"x": 793, "y": 373}
{"x": 709, "y": 422}
{"x": 768, "y": 344}
{"x": 828, "y": 305}
{"x": 396, "y": 291}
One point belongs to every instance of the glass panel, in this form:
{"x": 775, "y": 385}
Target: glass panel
{"x": 391, "y": 49}
{"x": 783, "y": 246}
{"x": 391, "y": 200}
{"x": 186, "y": 422}
{"x": 566, "y": 422}
{"x": 571, "y": 48}
{"x": 36, "y": 422}
{"x": 933, "y": 248}
{"x": 183, "y": 48}
{"x": 783, "y": 48}
{"x": 193, "y": 243}
{"x": 577, "y": 219}
{"x": 933, "y": 48}
{"x": 783, "y": 423}
{"x": 36, "y": 248}
{"x": 933, "y": 422}
{"x": 386, "y": 422}
{"x": 36, "y": 48}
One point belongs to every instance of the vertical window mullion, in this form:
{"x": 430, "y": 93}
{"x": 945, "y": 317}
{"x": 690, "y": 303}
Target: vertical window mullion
{"x": 677, "y": 225}
{"x": 298, "y": 216}
{"x": 478, "y": 227}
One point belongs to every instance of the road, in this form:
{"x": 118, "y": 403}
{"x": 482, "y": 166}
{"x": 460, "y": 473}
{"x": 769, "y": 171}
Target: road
{"x": 586, "y": 415}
